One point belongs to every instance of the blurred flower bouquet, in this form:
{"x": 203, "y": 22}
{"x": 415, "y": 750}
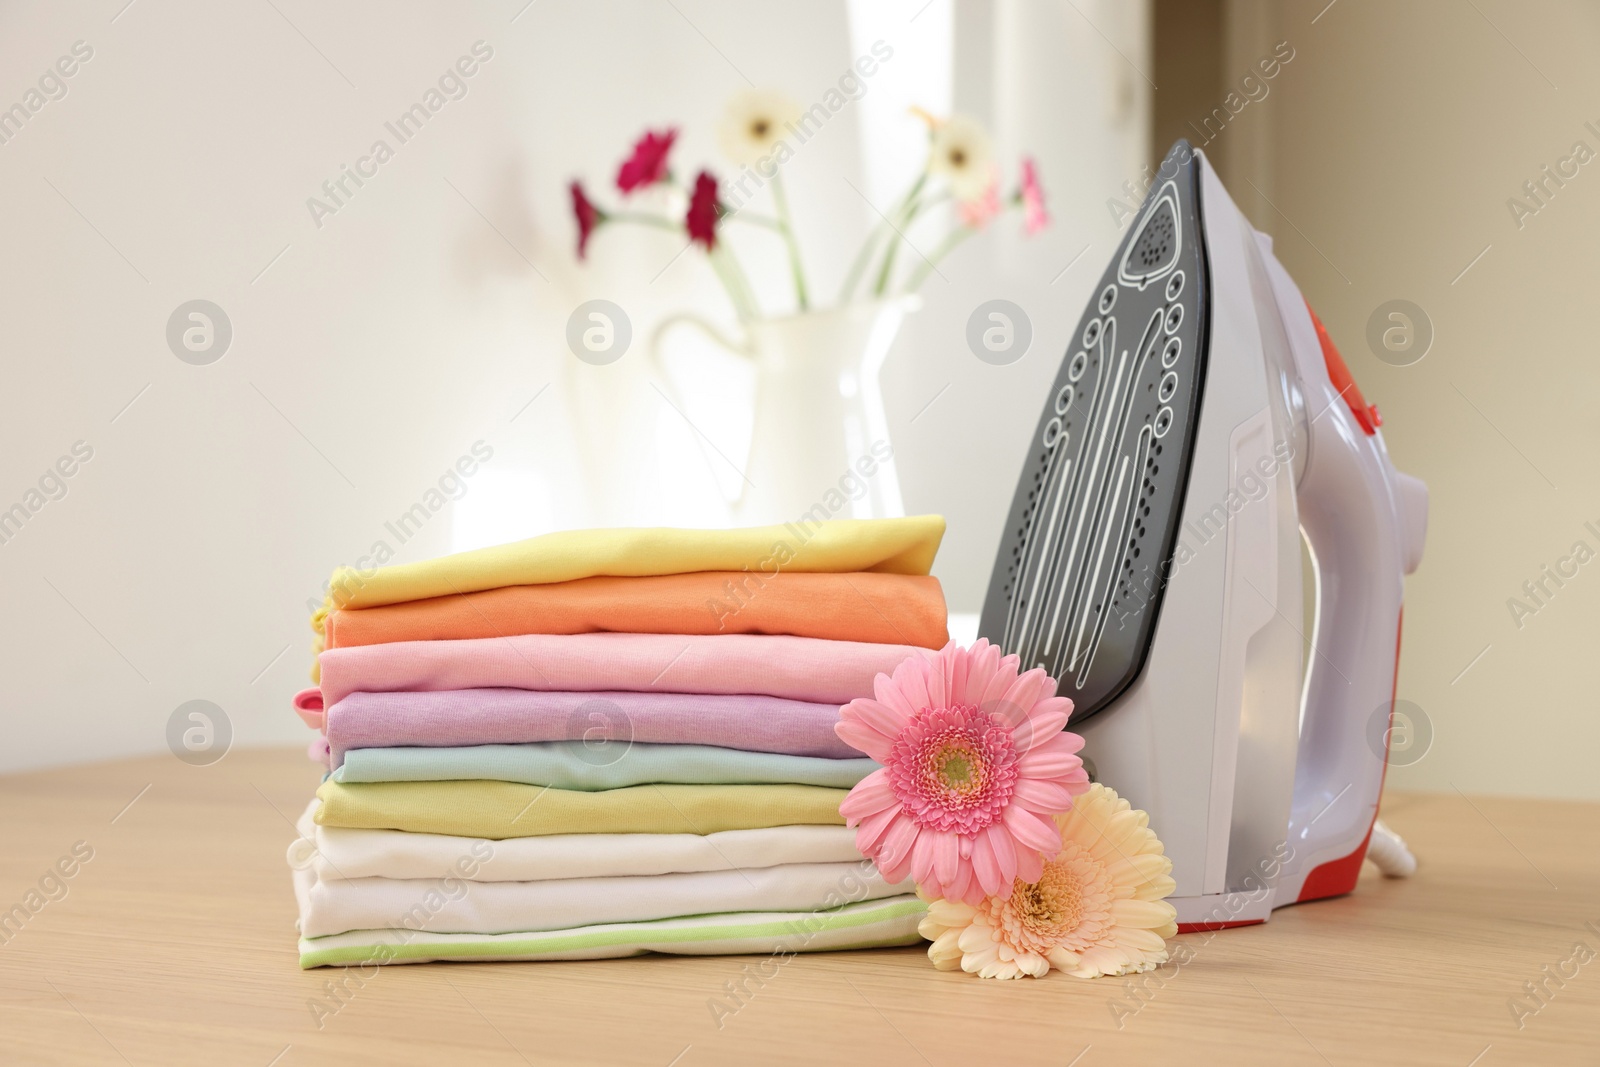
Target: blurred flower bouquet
{"x": 755, "y": 134}
{"x": 819, "y": 417}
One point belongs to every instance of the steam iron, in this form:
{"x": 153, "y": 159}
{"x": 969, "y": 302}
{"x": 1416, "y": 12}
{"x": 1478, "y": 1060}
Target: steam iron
{"x": 1201, "y": 422}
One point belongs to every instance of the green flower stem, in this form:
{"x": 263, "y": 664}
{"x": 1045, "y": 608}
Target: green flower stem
{"x": 658, "y": 221}
{"x": 781, "y": 200}
{"x": 953, "y": 238}
{"x": 727, "y": 266}
{"x": 859, "y": 266}
{"x": 753, "y": 219}
{"x": 907, "y": 212}
{"x": 870, "y": 245}
{"x": 721, "y": 258}
{"x": 727, "y": 284}
{"x": 924, "y": 205}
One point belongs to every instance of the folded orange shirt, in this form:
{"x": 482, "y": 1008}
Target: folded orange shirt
{"x": 897, "y": 609}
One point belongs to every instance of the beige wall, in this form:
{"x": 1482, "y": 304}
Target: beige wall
{"x": 1392, "y": 144}
{"x": 371, "y": 352}
{"x": 380, "y": 347}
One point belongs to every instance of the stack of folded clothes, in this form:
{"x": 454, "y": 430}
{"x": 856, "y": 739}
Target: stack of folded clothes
{"x": 603, "y": 743}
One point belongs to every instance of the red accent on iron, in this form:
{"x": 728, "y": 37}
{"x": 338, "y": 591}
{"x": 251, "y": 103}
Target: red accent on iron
{"x": 1338, "y": 877}
{"x": 1199, "y": 928}
{"x": 1344, "y": 381}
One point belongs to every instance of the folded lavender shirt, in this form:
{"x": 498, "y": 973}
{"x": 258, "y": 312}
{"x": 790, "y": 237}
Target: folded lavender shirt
{"x": 795, "y": 668}
{"x": 608, "y": 721}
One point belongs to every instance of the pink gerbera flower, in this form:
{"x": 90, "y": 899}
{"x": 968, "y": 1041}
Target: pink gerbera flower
{"x": 1034, "y": 216}
{"x": 975, "y": 767}
{"x": 648, "y": 164}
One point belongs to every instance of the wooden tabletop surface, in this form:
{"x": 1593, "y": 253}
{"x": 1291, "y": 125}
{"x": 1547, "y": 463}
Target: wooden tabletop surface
{"x": 174, "y": 944}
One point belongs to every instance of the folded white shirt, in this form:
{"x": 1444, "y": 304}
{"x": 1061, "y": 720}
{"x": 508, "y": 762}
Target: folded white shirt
{"x": 337, "y": 853}
{"x": 453, "y": 904}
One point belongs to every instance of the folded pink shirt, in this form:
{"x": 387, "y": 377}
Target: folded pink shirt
{"x": 609, "y": 722}
{"x": 793, "y": 668}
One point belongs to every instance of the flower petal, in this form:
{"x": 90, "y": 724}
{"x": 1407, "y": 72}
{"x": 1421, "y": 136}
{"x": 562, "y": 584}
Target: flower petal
{"x": 978, "y": 939}
{"x": 863, "y": 739}
{"x": 1033, "y": 831}
{"x": 1136, "y": 940}
{"x": 946, "y": 856}
{"x": 987, "y": 871}
{"x": 1004, "y": 848}
{"x": 951, "y": 912}
{"x": 1056, "y": 758}
{"x": 922, "y": 857}
{"x": 1018, "y": 700}
{"x": 1148, "y": 914}
{"x": 869, "y": 835}
{"x": 880, "y": 717}
{"x": 982, "y": 662}
{"x": 958, "y": 667}
{"x": 869, "y": 796}
{"x": 1040, "y": 794}
{"x": 1138, "y": 872}
{"x": 936, "y": 678}
{"x": 911, "y": 678}
{"x": 1030, "y": 865}
{"x": 1052, "y": 705}
{"x": 894, "y": 852}
{"x": 1000, "y": 682}
{"x": 962, "y": 887}
{"x": 1038, "y": 728}
{"x": 888, "y": 693}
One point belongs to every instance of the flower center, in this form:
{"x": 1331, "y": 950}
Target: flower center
{"x": 1068, "y": 907}
{"x": 954, "y": 768}
{"x": 957, "y": 771}
{"x": 958, "y": 158}
{"x": 1053, "y": 904}
{"x": 760, "y": 127}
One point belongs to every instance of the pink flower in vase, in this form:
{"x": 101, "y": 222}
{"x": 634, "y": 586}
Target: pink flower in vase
{"x": 979, "y": 211}
{"x": 1034, "y": 217}
{"x": 976, "y": 764}
{"x": 648, "y": 164}
{"x": 701, "y": 222}
{"x": 589, "y": 217}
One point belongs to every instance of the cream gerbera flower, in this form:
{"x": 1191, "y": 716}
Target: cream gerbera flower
{"x": 1097, "y": 909}
{"x": 754, "y": 122}
{"x": 961, "y": 154}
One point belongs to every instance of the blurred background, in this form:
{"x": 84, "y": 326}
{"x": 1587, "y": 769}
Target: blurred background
{"x": 358, "y": 354}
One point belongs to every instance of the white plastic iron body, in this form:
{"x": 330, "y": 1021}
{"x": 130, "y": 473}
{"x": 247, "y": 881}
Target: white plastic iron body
{"x": 1365, "y": 523}
{"x": 1259, "y": 802}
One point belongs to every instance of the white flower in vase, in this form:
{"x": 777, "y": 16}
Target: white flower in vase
{"x": 755, "y": 122}
{"x": 962, "y": 155}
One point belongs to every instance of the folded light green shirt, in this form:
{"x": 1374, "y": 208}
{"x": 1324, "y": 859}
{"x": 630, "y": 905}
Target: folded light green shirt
{"x": 576, "y": 765}
{"x": 870, "y": 924}
{"x": 500, "y": 810}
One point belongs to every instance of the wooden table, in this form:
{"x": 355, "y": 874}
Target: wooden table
{"x": 175, "y": 944}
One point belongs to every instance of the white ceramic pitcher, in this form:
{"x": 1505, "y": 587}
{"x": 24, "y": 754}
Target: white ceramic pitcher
{"x": 819, "y": 442}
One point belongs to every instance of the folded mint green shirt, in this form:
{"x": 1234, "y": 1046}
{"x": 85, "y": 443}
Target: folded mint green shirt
{"x": 577, "y": 765}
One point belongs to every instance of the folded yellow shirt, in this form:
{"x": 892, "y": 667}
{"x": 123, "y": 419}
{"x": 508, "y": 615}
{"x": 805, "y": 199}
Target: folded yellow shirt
{"x": 509, "y": 809}
{"x": 890, "y": 546}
